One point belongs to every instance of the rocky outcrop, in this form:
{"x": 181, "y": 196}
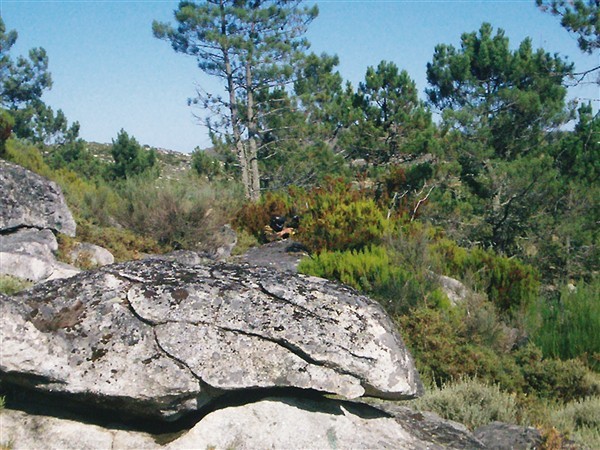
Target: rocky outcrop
{"x": 276, "y": 422}
{"x": 29, "y": 254}
{"x": 158, "y": 338}
{"x": 29, "y": 200}
{"x": 293, "y": 423}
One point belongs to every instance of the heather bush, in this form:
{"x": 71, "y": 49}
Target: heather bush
{"x": 338, "y": 217}
{"x": 470, "y": 402}
{"x": 253, "y": 216}
{"x": 124, "y": 244}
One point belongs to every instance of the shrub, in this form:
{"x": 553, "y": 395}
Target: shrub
{"x": 253, "y": 217}
{"x": 444, "y": 351}
{"x": 206, "y": 165}
{"x": 28, "y": 156}
{"x": 569, "y": 326}
{"x": 335, "y": 216}
{"x": 338, "y": 217}
{"x": 471, "y": 403}
{"x": 553, "y": 378}
{"x": 510, "y": 284}
{"x": 122, "y": 243}
{"x": 179, "y": 214}
{"x": 373, "y": 271}
{"x": 580, "y": 419}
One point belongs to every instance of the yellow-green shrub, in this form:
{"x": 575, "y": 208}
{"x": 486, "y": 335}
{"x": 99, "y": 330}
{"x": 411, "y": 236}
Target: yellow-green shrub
{"x": 339, "y": 217}
{"x": 179, "y": 214}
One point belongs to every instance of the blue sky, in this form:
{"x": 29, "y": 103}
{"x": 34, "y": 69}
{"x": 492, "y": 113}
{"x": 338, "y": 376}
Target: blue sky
{"x": 109, "y": 72}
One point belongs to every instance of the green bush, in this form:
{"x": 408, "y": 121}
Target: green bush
{"x": 206, "y": 165}
{"x": 10, "y": 285}
{"x": 130, "y": 159}
{"x": 569, "y": 327}
{"x": 445, "y": 351}
{"x": 552, "y": 378}
{"x": 28, "y": 156}
{"x": 471, "y": 403}
{"x": 76, "y": 157}
{"x": 373, "y": 271}
{"x": 338, "y": 217}
{"x": 124, "y": 244}
{"x": 510, "y": 284}
{"x": 335, "y": 216}
{"x": 7, "y": 122}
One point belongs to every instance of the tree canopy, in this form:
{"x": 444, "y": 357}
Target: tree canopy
{"x": 23, "y": 81}
{"x": 251, "y": 46}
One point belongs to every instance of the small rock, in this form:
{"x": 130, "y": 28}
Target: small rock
{"x": 28, "y": 254}
{"x": 504, "y": 436}
{"x": 91, "y": 255}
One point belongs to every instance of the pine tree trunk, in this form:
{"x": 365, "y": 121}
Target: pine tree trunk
{"x": 235, "y": 124}
{"x": 252, "y": 154}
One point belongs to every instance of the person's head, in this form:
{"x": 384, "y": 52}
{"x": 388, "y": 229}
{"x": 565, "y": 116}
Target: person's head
{"x": 277, "y": 223}
{"x": 295, "y": 222}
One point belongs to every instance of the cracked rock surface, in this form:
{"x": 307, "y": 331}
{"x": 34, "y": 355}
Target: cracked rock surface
{"x": 158, "y": 338}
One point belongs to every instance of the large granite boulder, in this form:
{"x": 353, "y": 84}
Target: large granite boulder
{"x": 158, "y": 338}
{"x": 275, "y": 423}
{"x": 30, "y": 200}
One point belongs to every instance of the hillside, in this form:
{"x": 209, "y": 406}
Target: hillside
{"x": 173, "y": 165}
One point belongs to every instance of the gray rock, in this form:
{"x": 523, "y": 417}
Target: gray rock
{"x": 275, "y": 422}
{"x": 292, "y": 423}
{"x": 226, "y": 240}
{"x": 28, "y": 254}
{"x": 158, "y": 338}
{"x": 454, "y": 289}
{"x": 32, "y": 432}
{"x": 93, "y": 255}
{"x": 282, "y": 255}
{"x": 30, "y": 200}
{"x": 504, "y": 436}
{"x": 187, "y": 257}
